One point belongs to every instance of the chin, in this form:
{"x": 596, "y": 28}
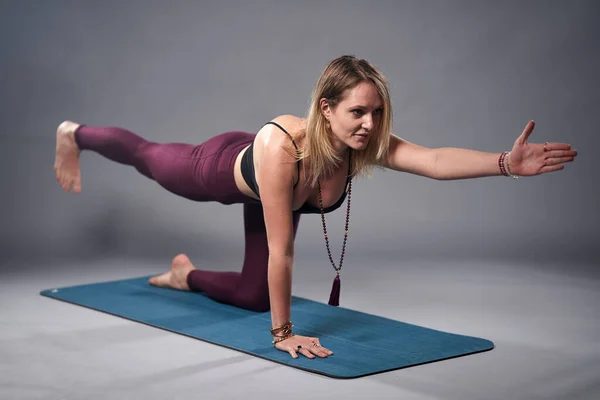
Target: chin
{"x": 354, "y": 145}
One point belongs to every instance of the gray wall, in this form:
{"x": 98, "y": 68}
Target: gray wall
{"x": 463, "y": 74}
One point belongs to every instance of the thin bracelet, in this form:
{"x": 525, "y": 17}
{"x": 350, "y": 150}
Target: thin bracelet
{"x": 508, "y": 167}
{"x": 504, "y": 169}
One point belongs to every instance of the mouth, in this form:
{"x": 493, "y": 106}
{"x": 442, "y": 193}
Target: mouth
{"x": 363, "y": 135}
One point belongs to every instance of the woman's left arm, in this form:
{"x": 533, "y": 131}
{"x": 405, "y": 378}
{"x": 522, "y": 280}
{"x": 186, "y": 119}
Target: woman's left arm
{"x": 525, "y": 159}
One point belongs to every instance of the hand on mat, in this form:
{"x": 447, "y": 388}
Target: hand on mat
{"x": 307, "y": 346}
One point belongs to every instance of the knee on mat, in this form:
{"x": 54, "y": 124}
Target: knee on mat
{"x": 257, "y": 304}
{"x": 261, "y": 309}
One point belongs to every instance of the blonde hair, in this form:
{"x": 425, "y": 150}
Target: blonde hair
{"x": 342, "y": 74}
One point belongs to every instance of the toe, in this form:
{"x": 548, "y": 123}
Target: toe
{"x": 77, "y": 186}
{"x": 154, "y": 280}
{"x": 160, "y": 280}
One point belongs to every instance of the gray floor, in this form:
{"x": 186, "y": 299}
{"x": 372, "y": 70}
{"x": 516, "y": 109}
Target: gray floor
{"x": 542, "y": 318}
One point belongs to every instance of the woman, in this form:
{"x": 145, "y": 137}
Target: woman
{"x": 292, "y": 166}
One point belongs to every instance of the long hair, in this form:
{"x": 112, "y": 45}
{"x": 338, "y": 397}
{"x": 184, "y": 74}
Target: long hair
{"x": 342, "y": 74}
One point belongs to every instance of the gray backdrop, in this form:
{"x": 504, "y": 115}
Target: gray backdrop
{"x": 515, "y": 262}
{"x": 463, "y": 74}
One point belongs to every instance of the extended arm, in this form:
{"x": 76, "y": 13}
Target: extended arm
{"x": 443, "y": 163}
{"x": 449, "y": 163}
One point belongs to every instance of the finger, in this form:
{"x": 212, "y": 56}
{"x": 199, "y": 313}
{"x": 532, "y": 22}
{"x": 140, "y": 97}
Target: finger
{"x": 557, "y": 146}
{"x": 561, "y": 153}
{"x": 318, "y": 342}
{"x": 551, "y": 168}
{"x": 316, "y": 349}
{"x": 306, "y": 353}
{"x": 325, "y": 350}
{"x": 526, "y": 132}
{"x": 293, "y": 353}
{"x": 557, "y": 160}
{"x": 318, "y": 352}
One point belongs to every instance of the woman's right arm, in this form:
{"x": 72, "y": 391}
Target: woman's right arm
{"x": 276, "y": 176}
{"x": 276, "y": 180}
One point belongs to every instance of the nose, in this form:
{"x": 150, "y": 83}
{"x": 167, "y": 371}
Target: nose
{"x": 367, "y": 122}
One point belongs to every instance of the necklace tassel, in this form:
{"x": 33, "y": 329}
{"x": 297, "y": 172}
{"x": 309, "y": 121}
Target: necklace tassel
{"x": 334, "y": 297}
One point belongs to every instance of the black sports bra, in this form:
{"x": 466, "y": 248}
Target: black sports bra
{"x": 248, "y": 173}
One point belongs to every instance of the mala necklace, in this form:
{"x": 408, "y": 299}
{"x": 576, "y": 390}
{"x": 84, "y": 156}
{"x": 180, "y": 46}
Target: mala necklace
{"x": 334, "y": 297}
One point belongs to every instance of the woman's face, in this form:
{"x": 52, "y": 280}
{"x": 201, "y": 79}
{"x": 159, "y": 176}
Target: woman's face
{"x": 355, "y": 119}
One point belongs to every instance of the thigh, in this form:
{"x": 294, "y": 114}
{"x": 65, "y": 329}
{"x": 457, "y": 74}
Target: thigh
{"x": 256, "y": 253}
{"x": 202, "y": 172}
{"x": 216, "y": 164}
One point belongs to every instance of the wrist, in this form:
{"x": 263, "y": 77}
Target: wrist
{"x": 504, "y": 165}
{"x": 508, "y": 163}
{"x": 282, "y": 332}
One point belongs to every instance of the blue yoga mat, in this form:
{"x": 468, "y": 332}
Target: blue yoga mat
{"x": 363, "y": 344}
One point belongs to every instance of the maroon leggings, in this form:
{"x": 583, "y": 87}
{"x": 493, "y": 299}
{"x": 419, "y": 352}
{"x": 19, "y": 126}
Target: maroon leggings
{"x": 201, "y": 172}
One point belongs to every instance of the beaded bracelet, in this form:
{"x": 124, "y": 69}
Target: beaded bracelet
{"x": 505, "y": 170}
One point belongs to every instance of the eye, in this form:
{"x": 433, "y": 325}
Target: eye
{"x": 357, "y": 112}
{"x": 379, "y": 111}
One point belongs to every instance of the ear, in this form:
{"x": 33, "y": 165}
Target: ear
{"x": 325, "y": 109}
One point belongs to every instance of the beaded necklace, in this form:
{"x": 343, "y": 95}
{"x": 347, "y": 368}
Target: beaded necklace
{"x": 334, "y": 297}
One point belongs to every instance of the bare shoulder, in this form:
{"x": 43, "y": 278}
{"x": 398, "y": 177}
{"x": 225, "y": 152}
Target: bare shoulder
{"x": 273, "y": 139}
{"x": 292, "y": 122}
{"x": 272, "y": 144}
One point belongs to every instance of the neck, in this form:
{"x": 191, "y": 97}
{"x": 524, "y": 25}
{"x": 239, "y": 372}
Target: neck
{"x": 340, "y": 148}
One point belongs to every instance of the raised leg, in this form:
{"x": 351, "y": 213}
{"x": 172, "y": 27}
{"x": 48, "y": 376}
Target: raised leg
{"x": 201, "y": 172}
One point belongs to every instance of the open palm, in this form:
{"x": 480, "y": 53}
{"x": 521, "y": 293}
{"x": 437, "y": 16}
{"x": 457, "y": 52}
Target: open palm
{"x": 528, "y": 159}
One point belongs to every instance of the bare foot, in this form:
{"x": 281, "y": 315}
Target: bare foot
{"x": 66, "y": 164}
{"x": 176, "y": 278}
